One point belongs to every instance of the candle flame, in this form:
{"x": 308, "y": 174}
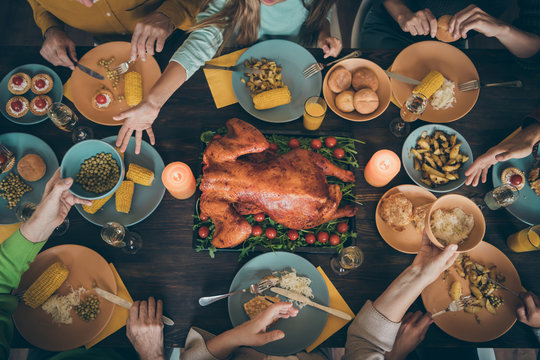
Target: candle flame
{"x": 385, "y": 165}
{"x": 177, "y": 177}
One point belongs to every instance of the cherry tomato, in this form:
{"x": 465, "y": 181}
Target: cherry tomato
{"x": 217, "y": 136}
{"x": 272, "y": 146}
{"x": 16, "y": 105}
{"x": 334, "y": 239}
{"x": 203, "y": 217}
{"x": 322, "y": 237}
{"x": 515, "y": 180}
{"x": 339, "y": 153}
{"x": 256, "y": 230}
{"x": 2, "y": 159}
{"x": 101, "y": 99}
{"x": 342, "y": 227}
{"x": 316, "y": 144}
{"x": 258, "y": 217}
{"x": 40, "y": 103}
{"x": 17, "y": 80}
{"x": 292, "y": 234}
{"x": 204, "y": 231}
{"x": 270, "y": 233}
{"x": 310, "y": 238}
{"x": 294, "y": 143}
{"x": 330, "y": 142}
{"x": 40, "y": 83}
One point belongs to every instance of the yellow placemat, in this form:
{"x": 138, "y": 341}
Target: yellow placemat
{"x": 7, "y": 230}
{"x": 220, "y": 82}
{"x": 333, "y": 324}
{"x": 120, "y": 314}
{"x": 67, "y": 91}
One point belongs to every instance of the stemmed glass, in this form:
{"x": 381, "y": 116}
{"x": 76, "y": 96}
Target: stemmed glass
{"x": 349, "y": 259}
{"x": 25, "y": 210}
{"x": 117, "y": 235}
{"x": 414, "y": 107}
{"x": 502, "y": 196}
{"x": 65, "y": 119}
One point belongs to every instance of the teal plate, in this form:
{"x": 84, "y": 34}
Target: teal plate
{"x": 145, "y": 198}
{"x": 55, "y": 94}
{"x": 416, "y": 175}
{"x": 527, "y": 207}
{"x": 22, "y": 144}
{"x": 293, "y": 59}
{"x": 300, "y": 331}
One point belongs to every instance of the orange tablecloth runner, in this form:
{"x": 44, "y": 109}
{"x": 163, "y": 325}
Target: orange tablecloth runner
{"x": 7, "y": 230}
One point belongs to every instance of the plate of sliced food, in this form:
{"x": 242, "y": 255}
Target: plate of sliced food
{"x": 26, "y": 164}
{"x": 447, "y": 103}
{"x": 279, "y": 92}
{"x": 139, "y": 193}
{"x": 59, "y": 309}
{"x": 474, "y": 276}
{"x": 290, "y": 272}
{"x": 100, "y": 100}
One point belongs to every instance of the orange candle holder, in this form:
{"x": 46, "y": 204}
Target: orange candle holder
{"x": 383, "y": 166}
{"x": 179, "y": 180}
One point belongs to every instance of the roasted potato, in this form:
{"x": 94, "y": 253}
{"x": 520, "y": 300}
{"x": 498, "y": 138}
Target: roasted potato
{"x": 270, "y": 79}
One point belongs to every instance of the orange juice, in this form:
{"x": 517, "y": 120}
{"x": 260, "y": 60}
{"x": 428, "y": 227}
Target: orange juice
{"x": 526, "y": 240}
{"x": 314, "y": 112}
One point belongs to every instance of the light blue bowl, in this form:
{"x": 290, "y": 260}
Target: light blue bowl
{"x": 416, "y": 175}
{"x": 72, "y": 161}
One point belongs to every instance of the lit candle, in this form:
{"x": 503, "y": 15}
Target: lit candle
{"x": 381, "y": 168}
{"x": 179, "y": 180}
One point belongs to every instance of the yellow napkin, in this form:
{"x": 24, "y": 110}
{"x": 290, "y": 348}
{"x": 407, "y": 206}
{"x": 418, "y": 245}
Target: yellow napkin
{"x": 67, "y": 91}
{"x": 7, "y": 230}
{"x": 120, "y": 314}
{"x": 333, "y": 324}
{"x": 220, "y": 82}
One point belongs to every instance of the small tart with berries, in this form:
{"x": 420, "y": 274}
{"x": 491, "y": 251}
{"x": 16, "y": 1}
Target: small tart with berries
{"x": 40, "y": 104}
{"x": 42, "y": 84}
{"x": 102, "y": 99}
{"x": 17, "y": 106}
{"x": 513, "y": 176}
{"x": 19, "y": 83}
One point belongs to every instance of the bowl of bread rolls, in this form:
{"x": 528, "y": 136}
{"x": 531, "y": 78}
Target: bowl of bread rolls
{"x": 357, "y": 89}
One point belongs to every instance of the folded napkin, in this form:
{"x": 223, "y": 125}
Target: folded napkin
{"x": 120, "y": 314}
{"x": 7, "y": 230}
{"x": 333, "y": 324}
{"x": 220, "y": 82}
{"x": 67, "y": 91}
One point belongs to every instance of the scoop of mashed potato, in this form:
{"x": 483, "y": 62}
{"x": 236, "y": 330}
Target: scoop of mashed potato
{"x": 444, "y": 98}
{"x": 451, "y": 226}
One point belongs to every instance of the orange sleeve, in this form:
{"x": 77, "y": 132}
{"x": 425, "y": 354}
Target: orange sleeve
{"x": 44, "y": 19}
{"x": 181, "y": 12}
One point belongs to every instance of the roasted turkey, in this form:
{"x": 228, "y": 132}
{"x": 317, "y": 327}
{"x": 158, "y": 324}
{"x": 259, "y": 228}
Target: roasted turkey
{"x": 242, "y": 176}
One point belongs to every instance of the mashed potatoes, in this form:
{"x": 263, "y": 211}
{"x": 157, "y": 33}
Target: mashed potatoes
{"x": 444, "y": 98}
{"x": 451, "y": 226}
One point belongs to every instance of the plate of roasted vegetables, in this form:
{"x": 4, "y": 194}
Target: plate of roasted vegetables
{"x": 436, "y": 157}
{"x": 139, "y": 194}
{"x": 474, "y": 274}
{"x": 278, "y": 94}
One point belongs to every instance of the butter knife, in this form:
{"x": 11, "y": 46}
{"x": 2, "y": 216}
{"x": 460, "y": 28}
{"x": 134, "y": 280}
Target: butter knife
{"x": 90, "y": 72}
{"x": 237, "y": 68}
{"x": 300, "y": 298}
{"x": 402, "y": 78}
{"x": 124, "y": 303}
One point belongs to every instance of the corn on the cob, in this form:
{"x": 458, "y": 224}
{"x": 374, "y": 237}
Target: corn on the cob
{"x": 140, "y": 175}
{"x": 96, "y": 205}
{"x": 45, "y": 285}
{"x": 431, "y": 83}
{"x": 124, "y": 195}
{"x": 133, "y": 88}
{"x": 272, "y": 98}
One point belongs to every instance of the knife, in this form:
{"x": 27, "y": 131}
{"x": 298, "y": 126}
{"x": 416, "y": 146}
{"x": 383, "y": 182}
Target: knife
{"x": 90, "y": 72}
{"x": 300, "y": 298}
{"x": 125, "y": 304}
{"x": 402, "y": 78}
{"x": 237, "y": 68}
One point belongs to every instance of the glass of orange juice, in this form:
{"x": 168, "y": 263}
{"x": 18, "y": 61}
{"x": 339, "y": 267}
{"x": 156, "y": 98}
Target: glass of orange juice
{"x": 526, "y": 240}
{"x": 314, "y": 112}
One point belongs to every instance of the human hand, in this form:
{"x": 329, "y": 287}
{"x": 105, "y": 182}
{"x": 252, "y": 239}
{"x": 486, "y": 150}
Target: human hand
{"x": 432, "y": 261}
{"x": 150, "y": 32}
{"x": 422, "y": 22}
{"x": 52, "y": 210}
{"x": 56, "y": 46}
{"x": 144, "y": 328}
{"x": 331, "y": 46}
{"x": 529, "y": 310}
{"x": 474, "y": 18}
{"x": 410, "y": 334}
{"x": 138, "y": 119}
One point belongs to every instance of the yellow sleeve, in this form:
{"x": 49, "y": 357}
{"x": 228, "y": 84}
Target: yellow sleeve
{"x": 181, "y": 12}
{"x": 44, "y": 19}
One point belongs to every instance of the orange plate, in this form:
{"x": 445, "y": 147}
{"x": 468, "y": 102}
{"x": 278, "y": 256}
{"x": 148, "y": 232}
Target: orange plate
{"x": 462, "y": 325}
{"x": 83, "y": 87}
{"x": 384, "y": 91}
{"x": 85, "y": 267}
{"x": 409, "y": 240}
{"x": 417, "y": 60}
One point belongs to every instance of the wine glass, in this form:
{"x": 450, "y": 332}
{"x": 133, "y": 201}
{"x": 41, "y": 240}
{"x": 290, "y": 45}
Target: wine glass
{"x": 25, "y": 210}
{"x": 117, "y": 235}
{"x": 65, "y": 119}
{"x": 349, "y": 259}
{"x": 412, "y": 109}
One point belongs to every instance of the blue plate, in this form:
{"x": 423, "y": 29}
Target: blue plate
{"x": 145, "y": 198}
{"x": 22, "y": 144}
{"x": 300, "y": 331}
{"x": 293, "y": 59}
{"x": 55, "y": 94}
{"x": 416, "y": 175}
{"x": 527, "y": 207}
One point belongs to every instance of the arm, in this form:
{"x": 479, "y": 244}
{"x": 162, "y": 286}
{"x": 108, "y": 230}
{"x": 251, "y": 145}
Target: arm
{"x": 330, "y": 45}
{"x": 422, "y": 22}
{"x": 44, "y": 19}
{"x": 181, "y": 12}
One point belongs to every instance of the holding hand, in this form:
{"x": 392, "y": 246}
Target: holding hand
{"x": 331, "y": 46}
{"x": 151, "y": 32}
{"x": 144, "y": 328}
{"x": 138, "y": 119}
{"x": 411, "y": 333}
{"x": 432, "y": 261}
{"x": 474, "y": 18}
{"x": 422, "y": 22}
{"x": 56, "y": 46}
{"x": 529, "y": 310}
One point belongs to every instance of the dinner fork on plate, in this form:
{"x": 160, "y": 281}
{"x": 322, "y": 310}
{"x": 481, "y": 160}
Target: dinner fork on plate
{"x": 255, "y": 289}
{"x": 122, "y": 68}
{"x": 475, "y": 84}
{"x": 317, "y": 67}
{"x": 456, "y": 305}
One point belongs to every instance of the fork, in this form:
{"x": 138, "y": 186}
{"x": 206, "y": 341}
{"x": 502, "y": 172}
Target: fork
{"x": 475, "y": 84}
{"x": 317, "y": 67}
{"x": 122, "y": 68}
{"x": 254, "y": 289}
{"x": 456, "y": 305}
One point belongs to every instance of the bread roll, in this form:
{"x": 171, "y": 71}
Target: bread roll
{"x": 365, "y": 78}
{"x": 442, "y": 29}
{"x": 31, "y": 167}
{"x": 365, "y": 101}
{"x": 340, "y": 79}
{"x": 344, "y": 101}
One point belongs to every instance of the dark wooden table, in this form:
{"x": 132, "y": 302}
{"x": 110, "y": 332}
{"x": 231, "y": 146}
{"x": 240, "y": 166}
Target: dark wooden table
{"x": 168, "y": 268}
